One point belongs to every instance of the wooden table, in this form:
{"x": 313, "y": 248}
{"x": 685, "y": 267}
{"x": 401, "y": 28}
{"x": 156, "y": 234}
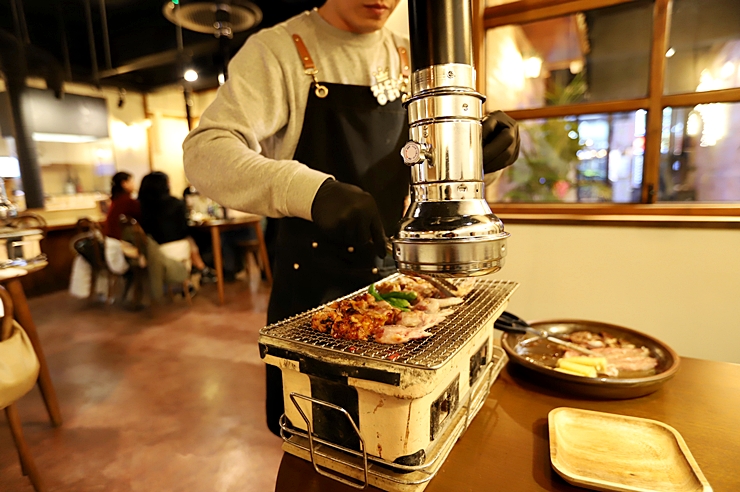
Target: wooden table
{"x": 506, "y": 448}
{"x": 219, "y": 225}
{"x": 10, "y": 278}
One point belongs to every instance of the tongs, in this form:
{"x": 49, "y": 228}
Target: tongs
{"x": 511, "y": 323}
{"x": 446, "y": 288}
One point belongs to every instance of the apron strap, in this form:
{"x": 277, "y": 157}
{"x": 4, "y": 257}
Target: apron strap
{"x": 405, "y": 67}
{"x": 403, "y": 54}
{"x": 309, "y": 68}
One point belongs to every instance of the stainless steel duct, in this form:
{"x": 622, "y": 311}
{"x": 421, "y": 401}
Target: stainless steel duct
{"x": 449, "y": 229}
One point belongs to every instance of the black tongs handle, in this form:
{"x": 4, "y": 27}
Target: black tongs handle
{"x": 512, "y": 323}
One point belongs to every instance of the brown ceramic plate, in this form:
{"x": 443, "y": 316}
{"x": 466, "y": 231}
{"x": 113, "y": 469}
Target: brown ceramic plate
{"x": 538, "y": 357}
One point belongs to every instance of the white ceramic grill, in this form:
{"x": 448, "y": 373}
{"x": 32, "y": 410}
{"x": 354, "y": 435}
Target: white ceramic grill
{"x": 386, "y": 414}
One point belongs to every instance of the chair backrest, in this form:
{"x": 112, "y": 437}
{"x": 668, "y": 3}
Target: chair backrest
{"x": 132, "y": 232}
{"x": 86, "y": 225}
{"x": 6, "y": 328}
{"x": 89, "y": 242}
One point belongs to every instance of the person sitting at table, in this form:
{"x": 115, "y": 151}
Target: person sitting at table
{"x": 122, "y": 186}
{"x": 164, "y": 218}
{"x": 232, "y": 241}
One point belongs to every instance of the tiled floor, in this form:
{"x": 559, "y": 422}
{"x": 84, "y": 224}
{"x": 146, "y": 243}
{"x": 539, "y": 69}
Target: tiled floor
{"x": 170, "y": 400}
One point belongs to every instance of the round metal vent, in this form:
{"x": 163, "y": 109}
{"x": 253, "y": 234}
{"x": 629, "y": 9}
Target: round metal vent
{"x": 218, "y": 18}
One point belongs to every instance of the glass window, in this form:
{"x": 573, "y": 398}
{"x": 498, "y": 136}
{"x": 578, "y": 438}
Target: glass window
{"x": 597, "y": 55}
{"x": 587, "y": 159}
{"x": 700, "y": 153}
{"x": 704, "y": 46}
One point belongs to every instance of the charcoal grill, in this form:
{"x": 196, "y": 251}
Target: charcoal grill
{"x": 387, "y": 415}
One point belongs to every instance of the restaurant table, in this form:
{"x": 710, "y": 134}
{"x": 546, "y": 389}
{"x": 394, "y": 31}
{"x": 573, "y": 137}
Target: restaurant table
{"x": 217, "y": 226}
{"x": 506, "y": 447}
{"x": 10, "y": 279}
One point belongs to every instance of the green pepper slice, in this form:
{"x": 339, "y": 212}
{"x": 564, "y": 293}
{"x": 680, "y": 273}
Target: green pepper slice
{"x": 401, "y": 304}
{"x": 399, "y": 294}
{"x": 373, "y": 292}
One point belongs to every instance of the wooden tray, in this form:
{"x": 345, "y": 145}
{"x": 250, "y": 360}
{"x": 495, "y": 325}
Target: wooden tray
{"x": 604, "y": 451}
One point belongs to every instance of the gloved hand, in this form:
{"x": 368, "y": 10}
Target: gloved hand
{"x": 348, "y": 215}
{"x": 500, "y": 141}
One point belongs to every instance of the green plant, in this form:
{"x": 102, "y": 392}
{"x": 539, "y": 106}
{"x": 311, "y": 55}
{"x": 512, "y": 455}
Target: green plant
{"x": 546, "y": 167}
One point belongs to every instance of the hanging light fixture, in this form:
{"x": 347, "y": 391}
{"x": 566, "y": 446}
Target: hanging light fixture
{"x": 222, "y": 18}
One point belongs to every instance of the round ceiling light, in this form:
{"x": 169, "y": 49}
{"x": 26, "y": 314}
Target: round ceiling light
{"x": 190, "y": 75}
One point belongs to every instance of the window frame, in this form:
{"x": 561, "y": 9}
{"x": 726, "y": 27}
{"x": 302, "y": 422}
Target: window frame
{"x": 525, "y": 11}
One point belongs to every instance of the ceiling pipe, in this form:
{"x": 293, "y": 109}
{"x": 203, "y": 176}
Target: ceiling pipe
{"x": 106, "y": 39}
{"x": 91, "y": 42}
{"x": 63, "y": 41}
{"x": 19, "y": 20}
{"x": 16, "y": 19}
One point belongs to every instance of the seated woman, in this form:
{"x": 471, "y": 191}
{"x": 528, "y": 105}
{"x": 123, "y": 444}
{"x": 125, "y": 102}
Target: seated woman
{"x": 164, "y": 218}
{"x": 122, "y": 185}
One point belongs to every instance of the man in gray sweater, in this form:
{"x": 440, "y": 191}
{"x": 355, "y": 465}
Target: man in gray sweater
{"x": 308, "y": 129}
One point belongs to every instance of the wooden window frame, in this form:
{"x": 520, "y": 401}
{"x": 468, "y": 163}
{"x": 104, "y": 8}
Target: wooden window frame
{"x": 524, "y": 11}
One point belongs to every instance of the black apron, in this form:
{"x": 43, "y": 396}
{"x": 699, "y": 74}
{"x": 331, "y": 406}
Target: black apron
{"x": 349, "y": 135}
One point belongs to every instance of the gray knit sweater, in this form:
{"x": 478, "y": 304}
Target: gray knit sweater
{"x": 241, "y": 153}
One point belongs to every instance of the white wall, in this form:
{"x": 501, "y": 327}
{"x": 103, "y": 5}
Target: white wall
{"x": 398, "y": 22}
{"x": 169, "y": 129}
{"x": 679, "y": 285}
{"x": 168, "y": 134}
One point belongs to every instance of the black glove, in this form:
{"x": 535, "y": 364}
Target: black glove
{"x": 348, "y": 215}
{"x": 500, "y": 141}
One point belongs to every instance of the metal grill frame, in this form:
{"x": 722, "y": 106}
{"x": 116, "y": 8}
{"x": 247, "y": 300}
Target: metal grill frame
{"x": 433, "y": 352}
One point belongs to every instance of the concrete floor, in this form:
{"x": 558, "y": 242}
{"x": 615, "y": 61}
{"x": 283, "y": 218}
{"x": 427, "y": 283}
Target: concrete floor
{"x": 170, "y": 400}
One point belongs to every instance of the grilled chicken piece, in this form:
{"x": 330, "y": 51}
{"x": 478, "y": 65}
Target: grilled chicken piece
{"x": 364, "y": 318}
{"x": 399, "y": 334}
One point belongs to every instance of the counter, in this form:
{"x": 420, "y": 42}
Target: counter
{"x": 506, "y": 448}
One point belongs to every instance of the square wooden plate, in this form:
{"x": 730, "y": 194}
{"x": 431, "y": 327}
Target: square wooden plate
{"x": 605, "y": 451}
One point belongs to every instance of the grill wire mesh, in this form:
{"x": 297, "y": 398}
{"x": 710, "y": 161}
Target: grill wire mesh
{"x": 429, "y": 353}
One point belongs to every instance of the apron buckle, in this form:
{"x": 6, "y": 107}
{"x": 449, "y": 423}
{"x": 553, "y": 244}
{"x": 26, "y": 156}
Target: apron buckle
{"x": 321, "y": 91}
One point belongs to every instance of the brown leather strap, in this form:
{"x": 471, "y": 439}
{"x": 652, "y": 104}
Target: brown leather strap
{"x": 305, "y": 56}
{"x": 405, "y": 66}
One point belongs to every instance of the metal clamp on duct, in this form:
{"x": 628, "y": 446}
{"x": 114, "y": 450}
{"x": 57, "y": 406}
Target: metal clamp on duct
{"x": 449, "y": 229}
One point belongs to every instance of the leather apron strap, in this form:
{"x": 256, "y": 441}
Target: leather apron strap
{"x": 309, "y": 68}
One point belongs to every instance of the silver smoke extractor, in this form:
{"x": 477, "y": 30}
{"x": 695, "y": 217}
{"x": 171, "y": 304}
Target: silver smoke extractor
{"x": 448, "y": 230}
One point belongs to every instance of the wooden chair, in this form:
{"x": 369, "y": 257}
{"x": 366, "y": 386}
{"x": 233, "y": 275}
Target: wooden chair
{"x": 90, "y": 231}
{"x": 28, "y": 466}
{"x": 252, "y": 248}
{"x": 133, "y": 232}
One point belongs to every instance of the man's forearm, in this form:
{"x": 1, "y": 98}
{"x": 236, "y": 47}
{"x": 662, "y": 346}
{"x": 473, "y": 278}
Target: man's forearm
{"x": 222, "y": 167}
